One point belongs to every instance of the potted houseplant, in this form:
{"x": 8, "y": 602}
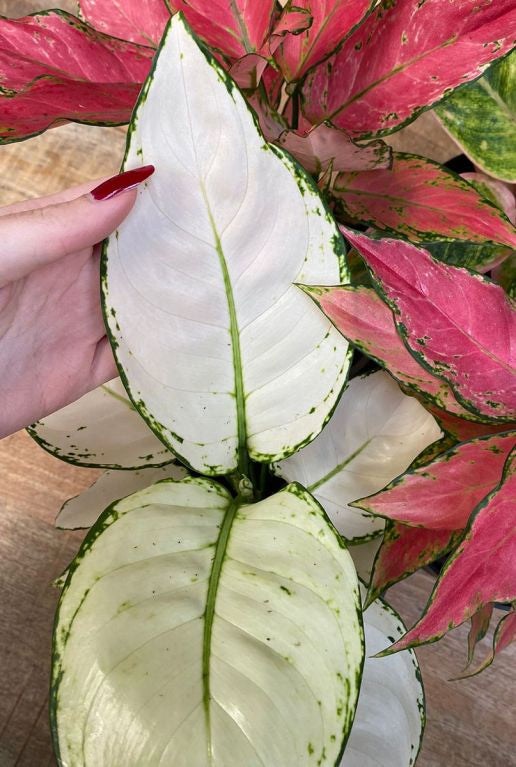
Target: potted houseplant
{"x": 213, "y": 615}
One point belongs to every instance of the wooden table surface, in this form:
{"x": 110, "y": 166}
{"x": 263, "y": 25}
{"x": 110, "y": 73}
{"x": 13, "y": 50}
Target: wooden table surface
{"x": 470, "y": 723}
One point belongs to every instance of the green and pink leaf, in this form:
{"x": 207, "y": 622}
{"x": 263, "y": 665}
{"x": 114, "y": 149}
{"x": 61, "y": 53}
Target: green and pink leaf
{"x": 365, "y": 320}
{"x": 55, "y": 68}
{"x": 421, "y": 62}
{"x": 333, "y": 20}
{"x": 464, "y": 342}
{"x": 480, "y": 570}
{"x": 442, "y": 494}
{"x": 403, "y": 551}
{"x": 423, "y": 200}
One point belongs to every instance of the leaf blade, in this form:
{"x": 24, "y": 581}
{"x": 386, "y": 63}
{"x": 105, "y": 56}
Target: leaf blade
{"x": 236, "y": 361}
{"x": 370, "y": 95}
{"x": 193, "y": 511}
{"x": 465, "y": 349}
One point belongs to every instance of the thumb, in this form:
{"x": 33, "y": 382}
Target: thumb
{"x": 32, "y": 238}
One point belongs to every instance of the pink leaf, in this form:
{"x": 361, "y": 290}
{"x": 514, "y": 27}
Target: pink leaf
{"x": 427, "y": 49}
{"x": 481, "y": 569}
{"x": 505, "y": 634}
{"x": 56, "y": 68}
{"x": 140, "y": 21}
{"x": 405, "y": 550}
{"x": 325, "y": 146}
{"x": 479, "y": 627}
{"x": 247, "y": 71}
{"x": 233, "y": 28}
{"x": 366, "y": 321}
{"x": 333, "y": 20}
{"x": 457, "y": 324}
{"x": 423, "y": 200}
{"x": 441, "y": 494}
{"x": 459, "y": 428}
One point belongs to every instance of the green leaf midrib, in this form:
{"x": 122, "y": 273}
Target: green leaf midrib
{"x": 243, "y": 458}
{"x": 338, "y": 468}
{"x": 209, "y": 613}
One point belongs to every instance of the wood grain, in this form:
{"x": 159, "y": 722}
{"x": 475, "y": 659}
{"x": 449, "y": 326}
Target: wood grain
{"x": 470, "y": 724}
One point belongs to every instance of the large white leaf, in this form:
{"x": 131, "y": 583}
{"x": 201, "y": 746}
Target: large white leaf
{"x": 222, "y": 353}
{"x": 102, "y": 429}
{"x": 195, "y": 632}
{"x": 83, "y": 510}
{"x": 374, "y": 435}
{"x": 390, "y": 717}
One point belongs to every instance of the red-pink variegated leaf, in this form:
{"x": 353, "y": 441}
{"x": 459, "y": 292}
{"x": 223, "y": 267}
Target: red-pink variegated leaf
{"x": 333, "y": 20}
{"x": 459, "y": 325}
{"x": 441, "y": 494}
{"x": 461, "y": 429}
{"x": 482, "y": 568}
{"x": 505, "y": 634}
{"x": 406, "y": 56}
{"x": 366, "y": 321}
{"x": 232, "y": 28}
{"x": 55, "y": 68}
{"x": 247, "y": 71}
{"x": 405, "y": 550}
{"x": 141, "y": 21}
{"x": 478, "y": 629}
{"x": 325, "y": 146}
{"x": 423, "y": 200}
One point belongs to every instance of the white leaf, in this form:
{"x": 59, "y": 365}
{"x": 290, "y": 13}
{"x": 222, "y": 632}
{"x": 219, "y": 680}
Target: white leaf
{"x": 373, "y": 436}
{"x": 363, "y": 556}
{"x": 83, "y": 510}
{"x": 102, "y": 429}
{"x": 390, "y": 716}
{"x": 195, "y": 632}
{"x": 223, "y": 354}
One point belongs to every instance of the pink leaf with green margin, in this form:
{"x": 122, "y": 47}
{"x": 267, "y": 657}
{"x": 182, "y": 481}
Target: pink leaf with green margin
{"x": 423, "y": 200}
{"x": 427, "y": 49}
{"x": 479, "y": 627}
{"x": 405, "y": 550}
{"x": 55, "y": 68}
{"x": 442, "y": 494}
{"x": 233, "y": 28}
{"x": 333, "y": 20}
{"x": 480, "y": 570}
{"x": 459, "y": 325}
{"x": 140, "y": 21}
{"x": 248, "y": 70}
{"x": 325, "y": 146}
{"x": 365, "y": 320}
{"x": 459, "y": 428}
{"x": 505, "y": 634}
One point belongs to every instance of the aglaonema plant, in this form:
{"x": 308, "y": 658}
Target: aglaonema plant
{"x": 213, "y": 616}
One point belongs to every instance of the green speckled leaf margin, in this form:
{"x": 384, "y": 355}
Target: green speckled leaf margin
{"x": 481, "y": 118}
{"x": 185, "y": 612}
{"x": 222, "y": 355}
{"x": 101, "y": 430}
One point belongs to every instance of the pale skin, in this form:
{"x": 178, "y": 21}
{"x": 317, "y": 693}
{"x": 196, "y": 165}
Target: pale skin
{"x": 53, "y": 345}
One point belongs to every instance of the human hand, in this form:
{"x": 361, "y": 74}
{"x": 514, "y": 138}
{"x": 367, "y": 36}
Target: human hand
{"x": 53, "y": 345}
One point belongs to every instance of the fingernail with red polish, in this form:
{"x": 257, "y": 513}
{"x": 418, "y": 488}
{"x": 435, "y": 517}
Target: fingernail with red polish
{"x": 121, "y": 183}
